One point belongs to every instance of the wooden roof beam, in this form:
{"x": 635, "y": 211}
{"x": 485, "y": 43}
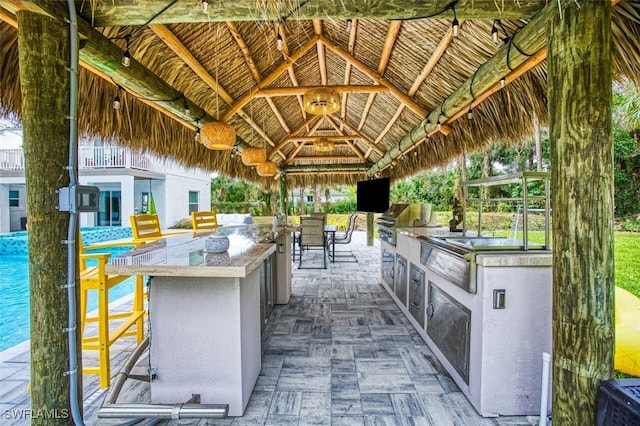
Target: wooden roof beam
{"x": 322, "y": 59}
{"x": 317, "y": 138}
{"x": 401, "y": 96}
{"x": 328, "y": 168}
{"x": 351, "y": 145}
{"x": 301, "y": 145}
{"x": 110, "y": 14}
{"x": 246, "y": 98}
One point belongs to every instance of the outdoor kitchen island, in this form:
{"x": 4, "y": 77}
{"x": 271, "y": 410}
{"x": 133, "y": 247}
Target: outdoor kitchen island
{"x": 486, "y": 313}
{"x": 206, "y": 311}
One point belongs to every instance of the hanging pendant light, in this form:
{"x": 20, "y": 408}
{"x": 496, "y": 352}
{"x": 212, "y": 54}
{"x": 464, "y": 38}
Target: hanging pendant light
{"x": 266, "y": 169}
{"x": 217, "y": 135}
{"x": 253, "y": 156}
{"x": 324, "y": 145}
{"x": 321, "y": 101}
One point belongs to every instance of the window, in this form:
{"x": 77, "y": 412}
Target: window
{"x": 14, "y": 198}
{"x": 309, "y": 198}
{"x": 193, "y": 201}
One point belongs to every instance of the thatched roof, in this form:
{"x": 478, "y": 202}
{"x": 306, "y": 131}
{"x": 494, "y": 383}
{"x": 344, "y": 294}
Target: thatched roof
{"x": 398, "y": 74}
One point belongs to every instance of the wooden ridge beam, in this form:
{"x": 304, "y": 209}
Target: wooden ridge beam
{"x": 306, "y": 123}
{"x": 357, "y": 133}
{"x": 317, "y": 138}
{"x": 351, "y": 144}
{"x": 109, "y": 13}
{"x": 271, "y": 92}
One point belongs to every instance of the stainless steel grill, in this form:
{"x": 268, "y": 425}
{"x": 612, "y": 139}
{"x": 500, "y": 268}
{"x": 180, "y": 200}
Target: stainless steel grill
{"x": 402, "y": 215}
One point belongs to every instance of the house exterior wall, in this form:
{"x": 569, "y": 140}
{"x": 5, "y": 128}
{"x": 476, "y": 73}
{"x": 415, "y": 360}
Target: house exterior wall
{"x": 168, "y": 182}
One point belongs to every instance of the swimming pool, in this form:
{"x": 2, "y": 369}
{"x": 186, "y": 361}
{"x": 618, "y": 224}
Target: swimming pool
{"x": 14, "y": 281}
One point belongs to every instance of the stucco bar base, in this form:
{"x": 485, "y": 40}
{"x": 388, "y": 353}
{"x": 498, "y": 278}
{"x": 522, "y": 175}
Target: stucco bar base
{"x": 205, "y": 339}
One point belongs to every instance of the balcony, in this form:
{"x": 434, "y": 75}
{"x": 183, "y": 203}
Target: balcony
{"x": 89, "y": 158}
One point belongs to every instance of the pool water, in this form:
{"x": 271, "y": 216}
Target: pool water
{"x": 14, "y": 281}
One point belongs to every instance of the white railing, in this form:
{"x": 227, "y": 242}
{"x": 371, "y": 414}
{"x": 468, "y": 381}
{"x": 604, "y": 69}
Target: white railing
{"x": 11, "y": 159}
{"x": 88, "y": 158}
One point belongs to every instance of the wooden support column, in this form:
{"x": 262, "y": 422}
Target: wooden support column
{"x": 283, "y": 193}
{"x": 44, "y": 55}
{"x": 579, "y": 76}
{"x": 370, "y": 229}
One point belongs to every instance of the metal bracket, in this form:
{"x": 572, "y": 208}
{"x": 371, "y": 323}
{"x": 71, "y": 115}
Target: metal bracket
{"x": 70, "y": 372}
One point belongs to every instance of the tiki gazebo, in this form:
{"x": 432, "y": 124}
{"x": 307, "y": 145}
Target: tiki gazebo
{"x": 336, "y": 92}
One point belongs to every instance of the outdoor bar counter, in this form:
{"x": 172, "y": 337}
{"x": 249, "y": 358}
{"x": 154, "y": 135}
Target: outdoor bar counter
{"x": 204, "y": 315}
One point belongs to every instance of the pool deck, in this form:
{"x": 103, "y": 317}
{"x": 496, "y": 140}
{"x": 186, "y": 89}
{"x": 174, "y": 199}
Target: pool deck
{"x": 339, "y": 353}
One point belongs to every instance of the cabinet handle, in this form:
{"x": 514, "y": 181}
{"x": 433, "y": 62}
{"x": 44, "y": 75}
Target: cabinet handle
{"x": 430, "y": 311}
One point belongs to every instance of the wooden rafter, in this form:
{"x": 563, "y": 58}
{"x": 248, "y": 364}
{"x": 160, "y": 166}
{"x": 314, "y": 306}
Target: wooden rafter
{"x": 360, "y": 136}
{"x": 347, "y": 70}
{"x": 401, "y": 96}
{"x": 290, "y": 70}
{"x": 389, "y": 42}
{"x": 317, "y": 138}
{"x": 301, "y": 145}
{"x": 431, "y": 63}
{"x": 322, "y": 59}
{"x": 246, "y": 53}
{"x": 351, "y": 145}
{"x": 269, "y": 78}
{"x": 287, "y": 140}
{"x": 173, "y": 43}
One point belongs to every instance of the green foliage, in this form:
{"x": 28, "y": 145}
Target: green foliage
{"x": 629, "y": 226}
{"x": 182, "y": 224}
{"x": 236, "y": 196}
{"x": 436, "y": 188}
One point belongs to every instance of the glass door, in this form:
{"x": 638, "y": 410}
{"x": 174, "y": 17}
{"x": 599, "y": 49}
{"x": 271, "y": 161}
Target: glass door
{"x": 109, "y": 214}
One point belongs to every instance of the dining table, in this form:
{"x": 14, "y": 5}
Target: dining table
{"x": 329, "y": 232}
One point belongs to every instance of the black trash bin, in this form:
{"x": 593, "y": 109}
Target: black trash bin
{"x": 23, "y": 223}
{"x": 619, "y": 403}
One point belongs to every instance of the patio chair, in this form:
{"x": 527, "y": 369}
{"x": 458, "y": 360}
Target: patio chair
{"x": 344, "y": 239}
{"x": 127, "y": 323}
{"x": 146, "y": 228}
{"x": 312, "y": 236}
{"x": 203, "y": 220}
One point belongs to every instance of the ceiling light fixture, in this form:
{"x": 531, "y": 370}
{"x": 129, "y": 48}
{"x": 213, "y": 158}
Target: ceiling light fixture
{"x": 126, "y": 58}
{"x": 253, "y": 156}
{"x": 324, "y": 145}
{"x": 349, "y": 25}
{"x": 116, "y": 100}
{"x": 279, "y": 43}
{"x": 205, "y": 7}
{"x": 217, "y": 135}
{"x": 455, "y": 25}
{"x": 266, "y": 169}
{"x": 494, "y": 32}
{"x": 321, "y": 101}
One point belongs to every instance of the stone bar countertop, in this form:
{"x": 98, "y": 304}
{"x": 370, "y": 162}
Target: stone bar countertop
{"x": 184, "y": 255}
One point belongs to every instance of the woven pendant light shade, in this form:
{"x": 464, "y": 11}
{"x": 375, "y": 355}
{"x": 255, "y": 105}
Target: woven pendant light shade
{"x": 323, "y": 145}
{"x": 217, "y": 135}
{"x": 254, "y": 156}
{"x": 321, "y": 101}
{"x": 268, "y": 168}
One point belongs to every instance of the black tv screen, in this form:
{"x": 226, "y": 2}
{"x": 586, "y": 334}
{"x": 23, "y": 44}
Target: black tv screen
{"x": 372, "y": 196}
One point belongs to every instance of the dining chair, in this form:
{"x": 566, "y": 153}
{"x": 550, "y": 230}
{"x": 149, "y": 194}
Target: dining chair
{"x": 110, "y": 326}
{"x": 344, "y": 239}
{"x": 203, "y": 220}
{"x": 312, "y": 235}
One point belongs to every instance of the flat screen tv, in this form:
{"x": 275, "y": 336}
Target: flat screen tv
{"x": 373, "y": 195}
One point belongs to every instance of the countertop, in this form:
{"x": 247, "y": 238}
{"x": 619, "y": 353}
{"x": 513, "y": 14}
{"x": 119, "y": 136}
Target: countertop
{"x": 183, "y": 255}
